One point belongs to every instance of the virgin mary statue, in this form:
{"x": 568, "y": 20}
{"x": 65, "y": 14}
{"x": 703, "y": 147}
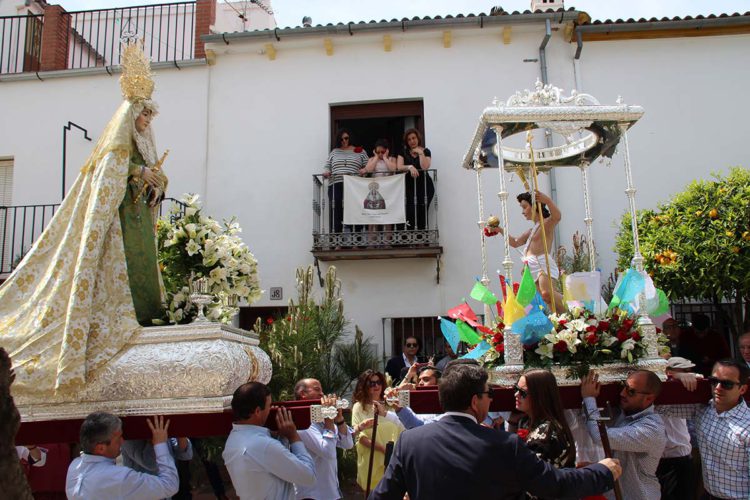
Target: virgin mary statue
{"x": 92, "y": 278}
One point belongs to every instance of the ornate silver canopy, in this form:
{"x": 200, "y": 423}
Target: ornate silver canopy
{"x": 590, "y": 130}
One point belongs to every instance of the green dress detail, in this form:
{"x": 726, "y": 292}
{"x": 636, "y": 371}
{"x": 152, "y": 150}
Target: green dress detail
{"x": 139, "y": 241}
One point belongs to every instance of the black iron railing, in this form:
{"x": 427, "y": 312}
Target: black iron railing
{"x": 21, "y": 226}
{"x": 420, "y": 229}
{"x": 20, "y": 43}
{"x": 167, "y": 31}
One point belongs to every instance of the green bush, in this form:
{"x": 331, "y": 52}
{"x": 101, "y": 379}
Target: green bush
{"x": 697, "y": 244}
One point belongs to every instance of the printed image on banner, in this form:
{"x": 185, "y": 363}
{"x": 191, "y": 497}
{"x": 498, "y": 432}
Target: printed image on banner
{"x": 376, "y": 200}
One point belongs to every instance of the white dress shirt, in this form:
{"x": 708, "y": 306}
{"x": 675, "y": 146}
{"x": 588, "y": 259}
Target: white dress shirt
{"x": 95, "y": 476}
{"x": 678, "y": 437}
{"x": 25, "y": 454}
{"x": 321, "y": 443}
{"x": 262, "y": 468}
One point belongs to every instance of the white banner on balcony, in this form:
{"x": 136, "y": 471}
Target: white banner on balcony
{"x": 376, "y": 200}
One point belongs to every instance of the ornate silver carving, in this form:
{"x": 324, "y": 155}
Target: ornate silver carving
{"x": 548, "y": 95}
{"x": 613, "y": 372}
{"x": 169, "y": 369}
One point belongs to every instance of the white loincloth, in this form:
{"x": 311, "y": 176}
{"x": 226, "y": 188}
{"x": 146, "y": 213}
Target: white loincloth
{"x": 538, "y": 265}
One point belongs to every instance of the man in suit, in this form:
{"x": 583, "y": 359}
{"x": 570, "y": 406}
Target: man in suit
{"x": 456, "y": 457}
{"x": 397, "y": 364}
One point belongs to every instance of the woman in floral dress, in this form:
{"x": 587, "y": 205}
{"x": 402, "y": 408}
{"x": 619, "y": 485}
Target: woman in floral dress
{"x": 542, "y": 424}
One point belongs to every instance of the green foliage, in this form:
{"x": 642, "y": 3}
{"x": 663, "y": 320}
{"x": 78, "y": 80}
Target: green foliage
{"x": 309, "y": 341}
{"x": 579, "y": 260}
{"x": 697, "y": 245}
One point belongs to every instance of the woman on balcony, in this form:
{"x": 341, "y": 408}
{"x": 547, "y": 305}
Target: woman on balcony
{"x": 80, "y": 293}
{"x": 420, "y": 189}
{"x": 344, "y": 159}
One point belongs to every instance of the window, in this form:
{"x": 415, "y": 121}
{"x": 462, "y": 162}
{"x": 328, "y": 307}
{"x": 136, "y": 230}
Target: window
{"x": 380, "y": 120}
{"x": 249, "y": 315}
{"x": 6, "y": 199}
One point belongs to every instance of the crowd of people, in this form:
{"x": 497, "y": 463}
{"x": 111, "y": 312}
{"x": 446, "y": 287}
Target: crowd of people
{"x": 412, "y": 159}
{"x": 530, "y": 452}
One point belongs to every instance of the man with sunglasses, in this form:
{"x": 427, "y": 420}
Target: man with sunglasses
{"x": 456, "y": 457}
{"x": 637, "y": 434}
{"x": 408, "y": 357}
{"x": 723, "y": 429}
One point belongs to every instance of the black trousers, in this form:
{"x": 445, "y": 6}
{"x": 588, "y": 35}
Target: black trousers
{"x": 336, "y": 212}
{"x": 677, "y": 478}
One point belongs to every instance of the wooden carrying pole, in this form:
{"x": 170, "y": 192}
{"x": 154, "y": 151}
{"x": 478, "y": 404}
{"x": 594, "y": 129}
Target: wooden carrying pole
{"x": 372, "y": 451}
{"x": 600, "y": 423}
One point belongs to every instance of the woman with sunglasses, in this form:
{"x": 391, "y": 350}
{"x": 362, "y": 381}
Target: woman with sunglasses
{"x": 344, "y": 159}
{"x": 368, "y": 395}
{"x": 546, "y": 429}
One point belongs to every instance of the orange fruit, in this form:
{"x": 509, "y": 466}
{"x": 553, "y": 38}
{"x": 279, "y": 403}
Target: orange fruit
{"x": 713, "y": 213}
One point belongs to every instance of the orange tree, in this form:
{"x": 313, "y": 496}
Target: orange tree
{"x": 697, "y": 244}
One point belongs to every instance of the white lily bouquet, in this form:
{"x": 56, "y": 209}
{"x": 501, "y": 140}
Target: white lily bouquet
{"x": 193, "y": 244}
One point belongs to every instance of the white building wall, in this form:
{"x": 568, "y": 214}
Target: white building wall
{"x": 249, "y": 133}
{"x": 36, "y": 111}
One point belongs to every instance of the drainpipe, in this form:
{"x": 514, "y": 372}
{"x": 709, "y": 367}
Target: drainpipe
{"x": 547, "y": 133}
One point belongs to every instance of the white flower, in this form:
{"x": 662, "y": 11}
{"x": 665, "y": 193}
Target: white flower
{"x": 192, "y": 248}
{"x": 189, "y": 199}
{"x": 577, "y": 325}
{"x": 190, "y": 229}
{"x": 626, "y": 347}
{"x": 217, "y": 275}
{"x": 570, "y": 338}
{"x": 190, "y": 211}
{"x": 545, "y": 350}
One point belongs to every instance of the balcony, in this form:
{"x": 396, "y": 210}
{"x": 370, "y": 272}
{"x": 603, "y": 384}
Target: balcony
{"x": 85, "y": 40}
{"x": 418, "y": 238}
{"x": 21, "y": 226}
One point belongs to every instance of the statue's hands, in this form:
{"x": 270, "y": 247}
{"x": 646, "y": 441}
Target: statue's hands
{"x": 151, "y": 178}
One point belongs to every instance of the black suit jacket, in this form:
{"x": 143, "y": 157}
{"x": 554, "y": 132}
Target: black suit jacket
{"x": 393, "y": 367}
{"x": 454, "y": 458}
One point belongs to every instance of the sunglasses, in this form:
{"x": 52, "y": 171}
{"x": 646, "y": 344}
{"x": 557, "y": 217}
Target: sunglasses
{"x": 374, "y": 383}
{"x": 521, "y": 392}
{"x": 488, "y": 393}
{"x": 409, "y": 344}
{"x": 630, "y": 391}
{"x": 727, "y": 385}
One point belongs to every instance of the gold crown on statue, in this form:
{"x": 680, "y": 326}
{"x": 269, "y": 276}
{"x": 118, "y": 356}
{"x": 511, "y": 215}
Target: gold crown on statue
{"x": 136, "y": 82}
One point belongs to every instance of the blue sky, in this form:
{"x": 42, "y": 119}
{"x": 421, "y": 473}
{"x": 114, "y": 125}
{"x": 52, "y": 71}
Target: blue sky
{"x": 290, "y": 12}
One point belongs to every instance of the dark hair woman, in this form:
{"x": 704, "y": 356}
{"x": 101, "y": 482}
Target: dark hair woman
{"x": 370, "y": 388}
{"x": 344, "y": 159}
{"x": 544, "y": 425}
{"x": 420, "y": 189}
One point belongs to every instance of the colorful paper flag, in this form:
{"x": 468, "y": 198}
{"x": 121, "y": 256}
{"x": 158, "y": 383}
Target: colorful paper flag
{"x": 450, "y": 332}
{"x": 478, "y": 351}
{"x": 483, "y": 294}
{"x": 467, "y": 333}
{"x": 513, "y": 310}
{"x": 527, "y": 288}
{"x": 462, "y": 311}
{"x": 532, "y": 327}
{"x": 629, "y": 285}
